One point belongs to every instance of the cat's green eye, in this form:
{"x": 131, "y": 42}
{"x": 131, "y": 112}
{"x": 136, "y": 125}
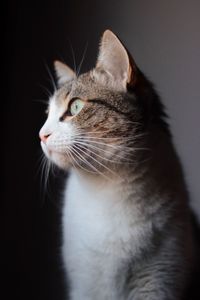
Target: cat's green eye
{"x": 76, "y": 106}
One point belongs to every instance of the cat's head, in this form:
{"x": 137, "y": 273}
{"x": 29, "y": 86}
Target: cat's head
{"x": 96, "y": 120}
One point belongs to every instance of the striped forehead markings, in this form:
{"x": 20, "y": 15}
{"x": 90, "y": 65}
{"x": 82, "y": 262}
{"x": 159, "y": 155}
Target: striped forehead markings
{"x": 108, "y": 105}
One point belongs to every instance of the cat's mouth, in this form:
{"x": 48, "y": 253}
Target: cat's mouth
{"x": 50, "y": 150}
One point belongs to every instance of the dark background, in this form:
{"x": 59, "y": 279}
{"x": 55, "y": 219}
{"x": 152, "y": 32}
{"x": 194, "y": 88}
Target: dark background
{"x": 36, "y": 33}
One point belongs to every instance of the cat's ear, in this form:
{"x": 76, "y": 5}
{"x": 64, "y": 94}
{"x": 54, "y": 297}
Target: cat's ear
{"x": 63, "y": 72}
{"x": 114, "y": 59}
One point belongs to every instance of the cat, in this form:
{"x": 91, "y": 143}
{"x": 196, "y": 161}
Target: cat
{"x": 127, "y": 232}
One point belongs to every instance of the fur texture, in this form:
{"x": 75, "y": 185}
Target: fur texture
{"x": 126, "y": 222}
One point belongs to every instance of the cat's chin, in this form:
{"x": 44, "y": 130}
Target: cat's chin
{"x": 59, "y": 159}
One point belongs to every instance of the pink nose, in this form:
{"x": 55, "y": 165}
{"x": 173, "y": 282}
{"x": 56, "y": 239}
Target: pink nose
{"x": 44, "y": 137}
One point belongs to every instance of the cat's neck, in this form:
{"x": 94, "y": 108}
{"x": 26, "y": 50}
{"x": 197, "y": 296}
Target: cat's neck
{"x": 118, "y": 176}
{"x": 159, "y": 162}
{"x": 125, "y": 173}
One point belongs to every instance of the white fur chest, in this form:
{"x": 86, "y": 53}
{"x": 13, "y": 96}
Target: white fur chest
{"x": 98, "y": 227}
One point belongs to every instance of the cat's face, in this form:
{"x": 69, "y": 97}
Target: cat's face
{"x": 92, "y": 120}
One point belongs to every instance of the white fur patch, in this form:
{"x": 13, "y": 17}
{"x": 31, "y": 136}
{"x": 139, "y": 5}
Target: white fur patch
{"x": 98, "y": 226}
{"x": 60, "y": 134}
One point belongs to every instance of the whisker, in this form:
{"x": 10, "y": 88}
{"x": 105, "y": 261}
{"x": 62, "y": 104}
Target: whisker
{"x": 51, "y": 77}
{"x": 73, "y": 57}
{"x": 46, "y": 90}
{"x": 96, "y": 137}
{"x": 106, "y": 152}
{"x": 83, "y": 159}
{"x": 108, "y": 169}
{"x": 43, "y": 179}
{"x": 43, "y": 169}
{"x": 90, "y": 165}
{"x": 47, "y": 171}
{"x": 117, "y": 141}
{"x": 39, "y": 163}
{"x": 43, "y": 101}
{"x": 134, "y": 137}
{"x": 83, "y": 57}
{"x": 72, "y": 152}
{"x": 113, "y": 146}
